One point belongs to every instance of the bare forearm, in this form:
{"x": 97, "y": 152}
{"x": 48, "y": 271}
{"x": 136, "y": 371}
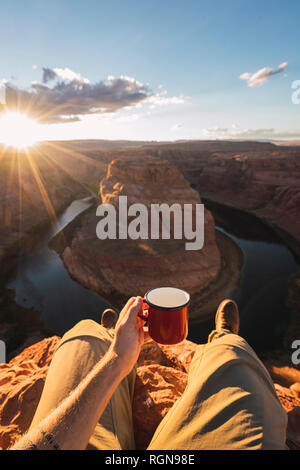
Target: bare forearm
{"x": 71, "y": 424}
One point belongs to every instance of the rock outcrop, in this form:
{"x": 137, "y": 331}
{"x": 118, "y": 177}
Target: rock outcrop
{"x": 118, "y": 269}
{"x": 21, "y": 384}
{"x": 161, "y": 379}
{"x": 264, "y": 183}
{"x": 33, "y": 190}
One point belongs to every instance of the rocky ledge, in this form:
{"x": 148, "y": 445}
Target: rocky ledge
{"x": 161, "y": 379}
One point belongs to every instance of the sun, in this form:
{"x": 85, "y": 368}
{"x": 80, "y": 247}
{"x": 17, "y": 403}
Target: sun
{"x": 18, "y": 130}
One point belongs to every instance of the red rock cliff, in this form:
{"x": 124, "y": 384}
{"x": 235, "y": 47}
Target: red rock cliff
{"x": 265, "y": 183}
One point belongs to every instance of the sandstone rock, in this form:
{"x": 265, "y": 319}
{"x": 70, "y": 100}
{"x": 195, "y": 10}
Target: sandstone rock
{"x": 37, "y": 355}
{"x": 21, "y": 385}
{"x": 295, "y": 387}
{"x": 157, "y": 389}
{"x": 162, "y": 375}
{"x": 45, "y": 191}
{"x": 265, "y": 183}
{"x": 283, "y": 375}
{"x": 292, "y": 407}
{"x": 176, "y": 356}
{"x": 180, "y": 355}
{"x": 118, "y": 269}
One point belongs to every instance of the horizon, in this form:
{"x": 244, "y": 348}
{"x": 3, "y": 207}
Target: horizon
{"x": 287, "y": 143}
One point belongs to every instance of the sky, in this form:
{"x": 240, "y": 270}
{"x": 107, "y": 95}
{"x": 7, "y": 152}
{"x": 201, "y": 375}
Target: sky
{"x": 153, "y": 70}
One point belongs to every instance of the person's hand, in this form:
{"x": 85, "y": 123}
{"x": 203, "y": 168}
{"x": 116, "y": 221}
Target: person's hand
{"x": 129, "y": 334}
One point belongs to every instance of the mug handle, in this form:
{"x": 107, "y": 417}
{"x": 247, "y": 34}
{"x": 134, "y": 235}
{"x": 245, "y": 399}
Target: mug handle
{"x": 145, "y": 307}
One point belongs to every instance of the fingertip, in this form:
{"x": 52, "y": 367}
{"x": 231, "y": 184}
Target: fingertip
{"x": 130, "y": 301}
{"x": 138, "y": 300}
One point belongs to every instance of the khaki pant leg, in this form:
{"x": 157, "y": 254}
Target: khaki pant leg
{"x": 77, "y": 353}
{"x": 229, "y": 402}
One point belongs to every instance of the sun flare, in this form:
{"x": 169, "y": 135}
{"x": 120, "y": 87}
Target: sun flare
{"x": 18, "y": 130}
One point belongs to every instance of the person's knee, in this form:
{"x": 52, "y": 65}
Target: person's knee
{"x": 87, "y": 324}
{"x": 87, "y": 327}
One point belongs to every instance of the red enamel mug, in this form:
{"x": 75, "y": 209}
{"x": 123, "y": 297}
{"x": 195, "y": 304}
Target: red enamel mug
{"x": 165, "y": 309}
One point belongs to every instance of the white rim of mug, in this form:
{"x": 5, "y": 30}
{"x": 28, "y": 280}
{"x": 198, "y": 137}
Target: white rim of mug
{"x": 167, "y": 308}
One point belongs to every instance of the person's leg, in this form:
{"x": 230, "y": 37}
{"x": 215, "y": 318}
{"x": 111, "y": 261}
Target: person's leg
{"x": 229, "y": 403}
{"x": 79, "y": 350}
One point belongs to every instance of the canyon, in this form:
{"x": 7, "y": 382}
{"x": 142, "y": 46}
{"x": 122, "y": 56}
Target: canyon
{"x": 265, "y": 184}
{"x": 33, "y": 192}
{"x": 36, "y": 186}
{"x": 261, "y": 179}
{"x": 118, "y": 269}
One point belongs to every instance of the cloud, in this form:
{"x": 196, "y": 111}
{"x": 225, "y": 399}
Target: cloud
{"x": 71, "y": 96}
{"x": 48, "y": 75}
{"x": 162, "y": 98}
{"x": 235, "y": 132}
{"x": 128, "y": 118}
{"x": 216, "y": 132}
{"x": 262, "y": 75}
{"x": 177, "y": 127}
{"x": 64, "y": 74}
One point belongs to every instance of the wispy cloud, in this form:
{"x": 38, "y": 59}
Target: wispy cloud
{"x": 262, "y": 75}
{"x": 162, "y": 98}
{"x": 236, "y": 132}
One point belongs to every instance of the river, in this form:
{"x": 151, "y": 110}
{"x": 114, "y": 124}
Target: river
{"x": 263, "y": 289}
{"x": 43, "y": 282}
